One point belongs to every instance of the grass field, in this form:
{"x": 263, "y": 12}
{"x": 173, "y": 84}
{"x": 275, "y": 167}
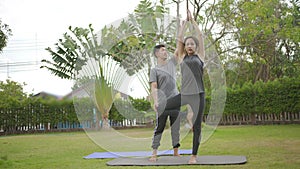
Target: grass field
{"x": 271, "y": 146}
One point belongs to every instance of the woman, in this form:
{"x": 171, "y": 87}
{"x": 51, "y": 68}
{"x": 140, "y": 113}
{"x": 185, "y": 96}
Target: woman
{"x": 190, "y": 54}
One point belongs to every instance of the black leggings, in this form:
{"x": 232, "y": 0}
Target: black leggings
{"x": 197, "y": 103}
{"x": 161, "y": 124}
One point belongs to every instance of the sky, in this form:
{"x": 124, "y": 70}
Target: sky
{"x": 38, "y": 24}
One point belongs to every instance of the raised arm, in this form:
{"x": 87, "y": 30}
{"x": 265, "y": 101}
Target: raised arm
{"x": 179, "y": 52}
{"x": 201, "y": 49}
{"x": 199, "y": 36}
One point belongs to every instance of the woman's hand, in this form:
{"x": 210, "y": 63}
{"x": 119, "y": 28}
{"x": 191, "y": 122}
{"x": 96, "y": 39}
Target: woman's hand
{"x": 182, "y": 27}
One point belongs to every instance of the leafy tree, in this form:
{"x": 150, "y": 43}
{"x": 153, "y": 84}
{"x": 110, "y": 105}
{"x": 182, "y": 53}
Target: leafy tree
{"x": 133, "y": 40}
{"x": 11, "y": 94}
{"x": 71, "y": 52}
{"x": 263, "y": 34}
{"x": 256, "y": 40}
{"x": 5, "y": 32}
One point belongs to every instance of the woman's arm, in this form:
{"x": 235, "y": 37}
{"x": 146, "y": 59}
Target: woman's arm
{"x": 179, "y": 52}
{"x": 201, "y": 49}
{"x": 199, "y": 36}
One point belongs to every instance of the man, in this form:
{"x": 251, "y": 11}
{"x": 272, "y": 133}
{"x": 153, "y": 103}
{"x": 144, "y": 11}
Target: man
{"x": 163, "y": 86}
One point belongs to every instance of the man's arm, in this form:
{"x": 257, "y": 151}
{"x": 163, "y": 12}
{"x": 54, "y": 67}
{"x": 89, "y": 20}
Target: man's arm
{"x": 154, "y": 95}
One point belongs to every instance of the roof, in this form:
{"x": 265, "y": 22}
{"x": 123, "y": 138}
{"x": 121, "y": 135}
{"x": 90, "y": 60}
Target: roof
{"x": 46, "y": 95}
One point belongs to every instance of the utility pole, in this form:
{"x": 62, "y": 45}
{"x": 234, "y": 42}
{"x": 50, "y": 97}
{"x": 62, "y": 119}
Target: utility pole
{"x": 7, "y": 69}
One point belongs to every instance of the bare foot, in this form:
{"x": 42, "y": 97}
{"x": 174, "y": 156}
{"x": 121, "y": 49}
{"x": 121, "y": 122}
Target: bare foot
{"x": 193, "y": 159}
{"x": 176, "y": 153}
{"x": 153, "y": 158}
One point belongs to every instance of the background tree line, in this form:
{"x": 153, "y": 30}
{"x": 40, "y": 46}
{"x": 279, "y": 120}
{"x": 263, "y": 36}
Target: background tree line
{"x": 21, "y": 113}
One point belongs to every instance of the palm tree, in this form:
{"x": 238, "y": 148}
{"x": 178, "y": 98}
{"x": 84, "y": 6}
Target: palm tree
{"x": 80, "y": 57}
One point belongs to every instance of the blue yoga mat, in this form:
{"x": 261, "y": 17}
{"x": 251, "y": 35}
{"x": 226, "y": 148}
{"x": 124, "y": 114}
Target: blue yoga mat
{"x": 134, "y": 154}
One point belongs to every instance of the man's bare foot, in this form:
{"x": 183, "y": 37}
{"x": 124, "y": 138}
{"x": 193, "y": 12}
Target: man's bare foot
{"x": 154, "y": 156}
{"x": 176, "y": 152}
{"x": 193, "y": 159}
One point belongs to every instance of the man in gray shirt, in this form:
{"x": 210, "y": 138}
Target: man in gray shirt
{"x": 163, "y": 86}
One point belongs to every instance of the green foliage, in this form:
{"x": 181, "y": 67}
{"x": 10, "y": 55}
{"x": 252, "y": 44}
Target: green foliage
{"x": 278, "y": 96}
{"x": 129, "y": 109}
{"x": 115, "y": 115}
{"x": 34, "y": 112}
{"x": 140, "y": 104}
{"x": 5, "y": 32}
{"x": 129, "y": 42}
{"x": 72, "y": 52}
{"x": 281, "y": 95}
{"x": 103, "y": 95}
{"x": 11, "y": 94}
{"x": 263, "y": 34}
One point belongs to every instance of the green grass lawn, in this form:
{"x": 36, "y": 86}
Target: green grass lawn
{"x": 271, "y": 146}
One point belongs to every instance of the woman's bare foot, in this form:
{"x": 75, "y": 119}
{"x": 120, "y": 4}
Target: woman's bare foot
{"x": 193, "y": 159}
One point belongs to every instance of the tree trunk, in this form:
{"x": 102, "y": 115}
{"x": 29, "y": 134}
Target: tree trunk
{"x": 105, "y": 124}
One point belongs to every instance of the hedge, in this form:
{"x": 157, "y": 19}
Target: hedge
{"x": 281, "y": 95}
{"x": 278, "y": 96}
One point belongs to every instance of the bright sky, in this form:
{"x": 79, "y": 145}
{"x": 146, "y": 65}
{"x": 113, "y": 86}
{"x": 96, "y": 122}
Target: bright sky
{"x": 37, "y": 24}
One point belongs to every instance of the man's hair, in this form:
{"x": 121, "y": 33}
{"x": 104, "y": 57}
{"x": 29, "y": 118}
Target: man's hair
{"x": 156, "y": 48}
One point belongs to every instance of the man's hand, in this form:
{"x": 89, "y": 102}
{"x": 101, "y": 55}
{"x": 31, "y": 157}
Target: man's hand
{"x": 154, "y": 95}
{"x": 155, "y": 105}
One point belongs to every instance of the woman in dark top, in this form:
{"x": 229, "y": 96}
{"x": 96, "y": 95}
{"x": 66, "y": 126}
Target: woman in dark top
{"x": 190, "y": 54}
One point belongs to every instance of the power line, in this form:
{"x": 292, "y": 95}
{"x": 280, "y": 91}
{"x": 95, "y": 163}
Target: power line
{"x": 13, "y": 67}
{"x": 25, "y": 45}
{"x": 27, "y": 63}
{"x": 24, "y": 49}
{"x": 18, "y": 70}
{"x": 17, "y": 45}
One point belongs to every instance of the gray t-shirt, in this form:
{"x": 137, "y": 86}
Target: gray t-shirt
{"x": 192, "y": 72}
{"x": 165, "y": 76}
